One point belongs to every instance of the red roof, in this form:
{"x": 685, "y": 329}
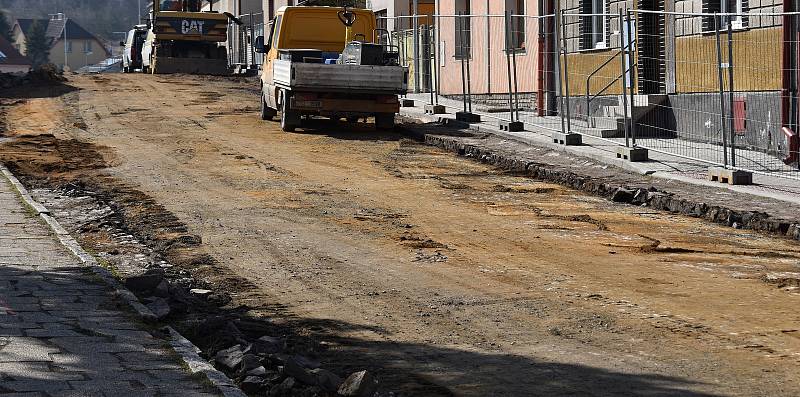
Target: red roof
{"x": 10, "y": 56}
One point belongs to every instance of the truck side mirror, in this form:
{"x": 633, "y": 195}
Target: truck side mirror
{"x": 259, "y": 46}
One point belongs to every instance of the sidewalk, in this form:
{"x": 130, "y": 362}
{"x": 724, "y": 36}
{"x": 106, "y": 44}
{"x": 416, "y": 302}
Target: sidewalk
{"x": 661, "y": 165}
{"x": 63, "y": 332}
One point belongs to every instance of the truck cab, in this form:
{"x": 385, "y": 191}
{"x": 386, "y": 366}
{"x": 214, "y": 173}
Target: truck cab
{"x": 317, "y": 65}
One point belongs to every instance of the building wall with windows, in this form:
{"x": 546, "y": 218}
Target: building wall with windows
{"x": 694, "y": 36}
{"x": 591, "y": 43}
{"x": 667, "y": 44}
{"x": 480, "y": 38}
{"x": 80, "y": 53}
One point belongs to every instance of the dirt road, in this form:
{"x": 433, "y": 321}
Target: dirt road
{"x": 444, "y": 275}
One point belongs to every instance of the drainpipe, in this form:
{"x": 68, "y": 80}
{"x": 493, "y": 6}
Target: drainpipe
{"x": 789, "y": 58}
{"x": 488, "y": 48}
{"x": 540, "y": 60}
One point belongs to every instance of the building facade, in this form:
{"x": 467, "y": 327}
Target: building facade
{"x": 11, "y": 61}
{"x": 675, "y": 66}
{"x": 80, "y": 49}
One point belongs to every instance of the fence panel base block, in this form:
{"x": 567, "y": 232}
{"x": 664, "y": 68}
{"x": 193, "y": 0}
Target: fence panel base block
{"x": 512, "y": 126}
{"x": 570, "y": 139}
{"x": 406, "y": 103}
{"x": 435, "y": 109}
{"x": 468, "y": 117}
{"x": 731, "y": 177}
{"x": 632, "y": 154}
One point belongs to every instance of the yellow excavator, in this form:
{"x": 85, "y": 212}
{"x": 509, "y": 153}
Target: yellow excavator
{"x": 182, "y": 38}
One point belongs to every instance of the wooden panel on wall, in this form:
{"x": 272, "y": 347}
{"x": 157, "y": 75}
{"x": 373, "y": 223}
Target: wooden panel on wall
{"x": 582, "y": 64}
{"x": 757, "y": 61}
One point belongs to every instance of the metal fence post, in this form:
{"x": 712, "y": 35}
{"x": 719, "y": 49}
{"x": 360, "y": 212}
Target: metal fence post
{"x": 632, "y": 81}
{"x": 557, "y": 57}
{"x": 566, "y": 72}
{"x": 624, "y": 95}
{"x": 415, "y": 50}
{"x": 720, "y": 66}
{"x": 462, "y": 55}
{"x": 436, "y": 26}
{"x": 506, "y": 22}
{"x": 732, "y": 129}
{"x": 514, "y": 69}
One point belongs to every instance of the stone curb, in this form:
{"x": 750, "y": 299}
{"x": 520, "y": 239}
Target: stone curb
{"x": 182, "y": 346}
{"x": 189, "y": 355}
{"x": 635, "y": 195}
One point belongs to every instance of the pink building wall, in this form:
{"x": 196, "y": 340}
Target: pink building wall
{"x": 488, "y": 65}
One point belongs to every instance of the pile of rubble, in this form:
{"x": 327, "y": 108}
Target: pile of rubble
{"x": 43, "y": 75}
{"x": 260, "y": 363}
{"x": 262, "y": 367}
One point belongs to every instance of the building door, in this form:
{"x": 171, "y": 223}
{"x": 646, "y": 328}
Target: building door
{"x": 651, "y": 64}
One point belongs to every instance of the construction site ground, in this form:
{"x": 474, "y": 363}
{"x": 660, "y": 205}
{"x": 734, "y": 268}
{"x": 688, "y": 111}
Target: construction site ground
{"x": 442, "y": 275}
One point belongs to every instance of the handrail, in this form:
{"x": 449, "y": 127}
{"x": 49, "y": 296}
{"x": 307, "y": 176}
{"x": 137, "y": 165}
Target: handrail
{"x": 589, "y": 118}
{"x": 589, "y": 80}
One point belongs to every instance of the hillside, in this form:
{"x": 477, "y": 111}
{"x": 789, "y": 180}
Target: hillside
{"x": 101, "y": 17}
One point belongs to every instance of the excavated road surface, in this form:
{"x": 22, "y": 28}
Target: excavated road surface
{"x": 443, "y": 275}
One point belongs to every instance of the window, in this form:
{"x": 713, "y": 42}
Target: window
{"x": 734, "y": 7}
{"x": 87, "y": 47}
{"x": 517, "y": 30}
{"x": 276, "y": 31}
{"x": 738, "y": 21}
{"x": 170, "y": 5}
{"x": 593, "y": 24}
{"x": 463, "y": 29}
{"x": 381, "y": 18}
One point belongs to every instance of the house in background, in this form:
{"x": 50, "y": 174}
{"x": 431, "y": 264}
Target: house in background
{"x": 11, "y": 61}
{"x": 82, "y": 47}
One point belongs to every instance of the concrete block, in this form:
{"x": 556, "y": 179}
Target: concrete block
{"x": 511, "y": 126}
{"x": 435, "y": 109}
{"x": 731, "y": 177}
{"x": 632, "y": 154}
{"x": 406, "y": 103}
{"x": 468, "y": 117}
{"x": 570, "y": 139}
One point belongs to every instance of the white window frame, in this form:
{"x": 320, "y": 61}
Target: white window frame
{"x": 599, "y": 22}
{"x": 733, "y": 6}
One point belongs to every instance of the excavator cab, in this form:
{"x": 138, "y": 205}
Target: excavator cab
{"x": 180, "y": 5}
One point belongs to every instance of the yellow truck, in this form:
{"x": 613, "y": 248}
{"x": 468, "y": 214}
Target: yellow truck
{"x": 324, "y": 61}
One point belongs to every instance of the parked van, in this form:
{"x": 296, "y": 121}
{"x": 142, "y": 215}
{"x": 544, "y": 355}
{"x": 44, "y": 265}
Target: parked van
{"x": 132, "y": 55}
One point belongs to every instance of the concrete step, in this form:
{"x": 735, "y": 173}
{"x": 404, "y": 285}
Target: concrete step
{"x": 607, "y": 130}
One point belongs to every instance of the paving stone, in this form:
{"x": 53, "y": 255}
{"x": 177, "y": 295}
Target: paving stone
{"x": 36, "y": 385}
{"x": 64, "y": 334}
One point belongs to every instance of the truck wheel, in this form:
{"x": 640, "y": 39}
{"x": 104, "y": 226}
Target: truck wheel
{"x": 384, "y": 121}
{"x": 290, "y": 119}
{"x": 267, "y": 113}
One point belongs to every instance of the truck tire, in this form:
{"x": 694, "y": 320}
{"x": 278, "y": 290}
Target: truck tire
{"x": 267, "y": 113}
{"x": 384, "y": 121}
{"x": 290, "y": 119}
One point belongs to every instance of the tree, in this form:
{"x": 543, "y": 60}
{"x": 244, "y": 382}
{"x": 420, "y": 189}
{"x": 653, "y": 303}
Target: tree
{"x": 38, "y": 45}
{"x": 5, "y": 27}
